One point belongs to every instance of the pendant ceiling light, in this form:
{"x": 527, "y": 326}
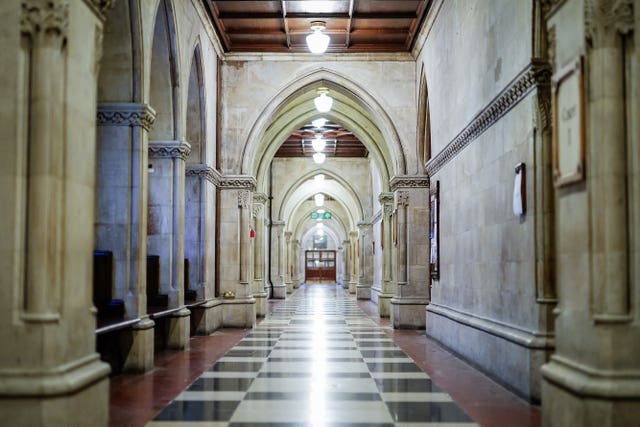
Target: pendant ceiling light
{"x": 319, "y": 199}
{"x": 319, "y": 158}
{"x": 323, "y": 102}
{"x": 318, "y": 143}
{"x": 318, "y": 41}
{"x": 320, "y": 122}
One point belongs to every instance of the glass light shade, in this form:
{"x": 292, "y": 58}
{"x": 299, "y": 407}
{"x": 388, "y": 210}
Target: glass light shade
{"x": 319, "y": 158}
{"x": 319, "y": 178}
{"x": 320, "y": 211}
{"x": 319, "y": 199}
{"x": 318, "y": 123}
{"x": 320, "y": 232}
{"x": 317, "y": 41}
{"x": 323, "y": 102}
{"x": 318, "y": 144}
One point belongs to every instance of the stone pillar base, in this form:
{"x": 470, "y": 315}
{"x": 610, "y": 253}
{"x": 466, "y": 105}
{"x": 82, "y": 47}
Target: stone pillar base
{"x": 206, "y": 318}
{"x": 384, "y": 305}
{"x": 363, "y": 292}
{"x": 139, "y": 359}
{"x": 179, "y": 330}
{"x": 239, "y": 313}
{"x": 87, "y": 407}
{"x": 289, "y": 286}
{"x": 279, "y": 292}
{"x": 296, "y": 283}
{"x": 408, "y": 313}
{"x": 352, "y": 287}
{"x": 573, "y": 395}
{"x": 261, "y": 303}
{"x": 345, "y": 284}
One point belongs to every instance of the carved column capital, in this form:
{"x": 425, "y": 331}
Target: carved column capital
{"x": 353, "y": 234}
{"x": 402, "y": 198}
{"x": 45, "y": 19}
{"x": 605, "y": 18}
{"x": 260, "y": 198}
{"x": 238, "y": 181}
{"x": 244, "y": 199}
{"x": 126, "y": 114}
{"x": 256, "y": 210}
{"x": 169, "y": 149}
{"x": 406, "y": 181}
{"x": 204, "y": 171}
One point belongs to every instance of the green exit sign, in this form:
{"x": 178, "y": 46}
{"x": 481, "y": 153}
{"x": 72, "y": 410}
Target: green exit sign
{"x": 324, "y": 215}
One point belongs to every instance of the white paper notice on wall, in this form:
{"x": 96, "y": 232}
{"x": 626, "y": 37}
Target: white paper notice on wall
{"x": 519, "y": 190}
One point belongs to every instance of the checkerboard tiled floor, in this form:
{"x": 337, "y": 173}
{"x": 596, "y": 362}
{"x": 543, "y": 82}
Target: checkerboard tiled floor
{"x": 317, "y": 360}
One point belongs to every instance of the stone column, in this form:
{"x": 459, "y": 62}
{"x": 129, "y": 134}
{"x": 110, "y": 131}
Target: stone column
{"x": 199, "y": 247}
{"x": 363, "y": 289}
{"x": 50, "y": 373}
{"x": 166, "y": 230}
{"x": 288, "y": 261}
{"x": 277, "y": 254}
{"x": 259, "y": 287}
{"x": 346, "y": 262}
{"x": 295, "y": 250}
{"x": 411, "y": 248}
{"x": 354, "y": 270}
{"x": 388, "y": 285}
{"x": 236, "y": 260}
{"x": 593, "y": 377}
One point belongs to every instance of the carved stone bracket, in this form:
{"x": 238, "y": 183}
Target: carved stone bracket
{"x": 385, "y": 198}
{"x": 402, "y": 198}
{"x": 126, "y": 114}
{"x": 45, "y": 19}
{"x": 230, "y": 182}
{"x": 605, "y": 18}
{"x": 169, "y": 149}
{"x": 100, "y": 7}
{"x": 244, "y": 199}
{"x": 203, "y": 171}
{"x": 256, "y": 210}
{"x": 405, "y": 181}
{"x": 535, "y": 75}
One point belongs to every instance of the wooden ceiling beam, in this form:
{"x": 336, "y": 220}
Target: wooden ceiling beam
{"x": 305, "y": 15}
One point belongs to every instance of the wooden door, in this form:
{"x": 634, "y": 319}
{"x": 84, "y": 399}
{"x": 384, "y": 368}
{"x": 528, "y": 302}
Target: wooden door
{"x": 320, "y": 265}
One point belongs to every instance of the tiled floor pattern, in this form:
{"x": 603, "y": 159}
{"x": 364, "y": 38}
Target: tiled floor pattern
{"x": 317, "y": 360}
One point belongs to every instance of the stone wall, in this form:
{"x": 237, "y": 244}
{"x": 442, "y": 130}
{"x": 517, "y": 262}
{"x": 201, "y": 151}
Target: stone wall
{"x": 483, "y": 105}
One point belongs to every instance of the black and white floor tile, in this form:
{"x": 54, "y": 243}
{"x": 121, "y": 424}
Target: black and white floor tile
{"x": 317, "y": 360}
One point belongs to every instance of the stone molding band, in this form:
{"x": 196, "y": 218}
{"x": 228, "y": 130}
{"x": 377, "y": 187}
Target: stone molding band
{"x": 536, "y": 74}
{"x": 238, "y": 182}
{"x": 169, "y": 149}
{"x": 406, "y": 181}
{"x": 587, "y": 381}
{"x": 512, "y": 333}
{"x": 204, "y": 171}
{"x": 126, "y": 114}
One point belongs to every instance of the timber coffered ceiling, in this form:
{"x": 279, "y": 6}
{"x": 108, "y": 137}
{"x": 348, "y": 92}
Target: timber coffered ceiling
{"x": 281, "y": 26}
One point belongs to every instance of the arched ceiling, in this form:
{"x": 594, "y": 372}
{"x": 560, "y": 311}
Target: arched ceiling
{"x": 340, "y": 142}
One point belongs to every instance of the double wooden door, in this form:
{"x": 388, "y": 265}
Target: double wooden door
{"x": 320, "y": 265}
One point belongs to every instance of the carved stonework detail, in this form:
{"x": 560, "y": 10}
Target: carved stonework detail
{"x": 385, "y": 198}
{"x": 353, "y": 234}
{"x": 260, "y": 198}
{"x": 408, "y": 182}
{"x": 204, "y": 172}
{"x": 402, "y": 198}
{"x": 244, "y": 199}
{"x": 169, "y": 149}
{"x": 126, "y": 115}
{"x": 605, "y": 18}
{"x": 230, "y": 182}
{"x": 256, "y": 210}
{"x": 42, "y": 19}
{"x": 537, "y": 74}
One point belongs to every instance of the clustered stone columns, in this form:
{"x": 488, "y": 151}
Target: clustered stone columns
{"x": 593, "y": 377}
{"x": 296, "y": 262}
{"x": 259, "y": 288}
{"x": 388, "y": 288}
{"x": 353, "y": 261}
{"x": 50, "y": 373}
{"x": 166, "y": 238}
{"x": 288, "y": 264}
{"x": 202, "y": 181}
{"x": 345, "y": 264}
{"x": 277, "y": 265}
{"x": 410, "y": 252}
{"x": 363, "y": 288}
